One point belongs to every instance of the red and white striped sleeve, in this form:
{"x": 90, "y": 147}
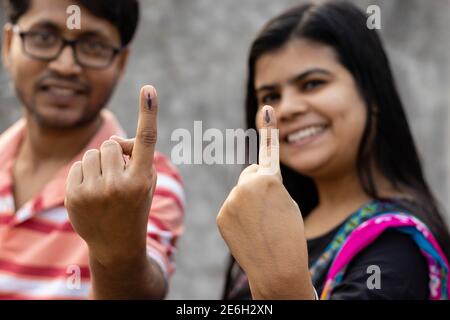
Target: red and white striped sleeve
{"x": 166, "y": 219}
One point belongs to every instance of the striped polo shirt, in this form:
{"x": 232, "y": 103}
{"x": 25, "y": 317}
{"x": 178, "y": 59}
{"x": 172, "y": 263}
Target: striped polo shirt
{"x": 41, "y": 256}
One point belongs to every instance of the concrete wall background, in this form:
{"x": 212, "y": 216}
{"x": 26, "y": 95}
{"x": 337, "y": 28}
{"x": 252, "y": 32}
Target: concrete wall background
{"x": 194, "y": 52}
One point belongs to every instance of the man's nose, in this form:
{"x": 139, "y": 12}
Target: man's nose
{"x": 65, "y": 64}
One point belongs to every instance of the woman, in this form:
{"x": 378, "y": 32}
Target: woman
{"x": 369, "y": 226}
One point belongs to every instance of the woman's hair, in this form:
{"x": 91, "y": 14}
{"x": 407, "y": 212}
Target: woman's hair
{"x": 387, "y": 141}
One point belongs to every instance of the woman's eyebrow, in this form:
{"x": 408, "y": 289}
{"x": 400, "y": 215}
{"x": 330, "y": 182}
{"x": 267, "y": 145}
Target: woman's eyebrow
{"x": 307, "y": 73}
{"x": 295, "y": 79}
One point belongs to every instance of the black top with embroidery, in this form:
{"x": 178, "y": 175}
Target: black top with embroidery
{"x": 403, "y": 270}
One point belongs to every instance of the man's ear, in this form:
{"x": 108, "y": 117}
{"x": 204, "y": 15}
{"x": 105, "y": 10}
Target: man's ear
{"x": 123, "y": 61}
{"x": 6, "y": 45}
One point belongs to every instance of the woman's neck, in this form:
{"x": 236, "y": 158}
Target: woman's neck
{"x": 339, "y": 197}
{"x": 342, "y": 192}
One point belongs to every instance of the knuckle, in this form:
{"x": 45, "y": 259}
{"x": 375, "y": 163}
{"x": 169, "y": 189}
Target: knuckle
{"x": 231, "y": 205}
{"x": 73, "y": 199}
{"x": 147, "y": 136}
{"x": 234, "y": 193}
{"x": 109, "y": 144}
{"x": 75, "y": 166}
{"x": 113, "y": 188}
{"x": 245, "y": 188}
{"x": 250, "y": 169}
{"x": 220, "y": 220}
{"x": 90, "y": 193}
{"x": 223, "y": 216}
{"x": 138, "y": 187}
{"x": 269, "y": 180}
{"x": 93, "y": 153}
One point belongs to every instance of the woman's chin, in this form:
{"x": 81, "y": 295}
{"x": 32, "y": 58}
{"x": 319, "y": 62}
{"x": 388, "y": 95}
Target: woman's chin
{"x": 307, "y": 169}
{"x": 307, "y": 165}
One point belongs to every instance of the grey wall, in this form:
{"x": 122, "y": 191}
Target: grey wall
{"x": 194, "y": 52}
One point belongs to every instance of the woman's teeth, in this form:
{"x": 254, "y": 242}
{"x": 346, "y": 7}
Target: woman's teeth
{"x": 305, "y": 133}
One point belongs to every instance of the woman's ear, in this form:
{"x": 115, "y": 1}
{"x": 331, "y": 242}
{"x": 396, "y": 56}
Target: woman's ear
{"x": 6, "y": 45}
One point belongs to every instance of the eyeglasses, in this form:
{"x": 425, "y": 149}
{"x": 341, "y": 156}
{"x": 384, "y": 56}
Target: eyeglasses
{"x": 47, "y": 46}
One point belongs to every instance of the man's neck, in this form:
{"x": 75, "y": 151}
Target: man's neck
{"x": 48, "y": 145}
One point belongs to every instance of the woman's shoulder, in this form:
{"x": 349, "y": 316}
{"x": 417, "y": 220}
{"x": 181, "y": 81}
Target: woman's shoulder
{"x": 386, "y": 261}
{"x": 392, "y": 267}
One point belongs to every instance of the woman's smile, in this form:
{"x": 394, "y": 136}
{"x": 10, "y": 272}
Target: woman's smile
{"x": 305, "y": 135}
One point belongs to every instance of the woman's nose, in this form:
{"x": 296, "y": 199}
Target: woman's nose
{"x": 291, "y": 106}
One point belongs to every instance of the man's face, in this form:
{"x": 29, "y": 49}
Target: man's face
{"x": 61, "y": 93}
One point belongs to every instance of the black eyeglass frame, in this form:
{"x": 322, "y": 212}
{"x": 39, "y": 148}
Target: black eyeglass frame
{"x": 64, "y": 44}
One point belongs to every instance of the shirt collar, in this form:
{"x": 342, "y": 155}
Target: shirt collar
{"x": 53, "y": 193}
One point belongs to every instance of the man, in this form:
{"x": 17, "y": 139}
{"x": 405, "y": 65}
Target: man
{"x": 64, "y": 78}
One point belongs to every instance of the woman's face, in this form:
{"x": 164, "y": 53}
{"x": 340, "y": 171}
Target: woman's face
{"x": 321, "y": 116}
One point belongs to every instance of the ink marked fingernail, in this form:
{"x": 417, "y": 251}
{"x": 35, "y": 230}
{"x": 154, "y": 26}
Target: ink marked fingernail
{"x": 267, "y": 117}
{"x": 149, "y": 101}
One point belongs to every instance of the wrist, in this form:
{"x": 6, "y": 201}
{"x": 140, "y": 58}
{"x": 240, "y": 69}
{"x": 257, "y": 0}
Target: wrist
{"x": 117, "y": 257}
{"x": 282, "y": 287}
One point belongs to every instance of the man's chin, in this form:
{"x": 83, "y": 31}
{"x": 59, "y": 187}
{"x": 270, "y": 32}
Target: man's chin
{"x": 63, "y": 121}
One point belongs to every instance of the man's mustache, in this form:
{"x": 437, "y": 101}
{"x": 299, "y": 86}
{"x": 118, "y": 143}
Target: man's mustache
{"x": 54, "y": 78}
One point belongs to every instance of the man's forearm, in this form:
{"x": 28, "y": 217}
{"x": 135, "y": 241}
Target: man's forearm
{"x": 136, "y": 278}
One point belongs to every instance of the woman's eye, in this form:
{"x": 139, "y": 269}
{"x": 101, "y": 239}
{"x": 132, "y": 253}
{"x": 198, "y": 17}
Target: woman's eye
{"x": 270, "y": 98}
{"x": 312, "y": 84}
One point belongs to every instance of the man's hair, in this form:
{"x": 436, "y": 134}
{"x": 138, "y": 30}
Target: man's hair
{"x": 123, "y": 14}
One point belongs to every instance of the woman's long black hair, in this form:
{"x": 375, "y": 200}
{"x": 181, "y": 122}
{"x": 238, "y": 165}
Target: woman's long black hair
{"x": 387, "y": 141}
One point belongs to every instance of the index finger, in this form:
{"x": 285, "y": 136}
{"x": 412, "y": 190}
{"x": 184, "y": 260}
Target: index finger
{"x": 269, "y": 148}
{"x": 146, "y": 134}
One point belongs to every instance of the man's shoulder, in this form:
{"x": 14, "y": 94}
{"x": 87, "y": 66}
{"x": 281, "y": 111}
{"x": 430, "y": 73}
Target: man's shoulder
{"x": 12, "y": 131}
{"x": 166, "y": 167}
{"x": 10, "y": 138}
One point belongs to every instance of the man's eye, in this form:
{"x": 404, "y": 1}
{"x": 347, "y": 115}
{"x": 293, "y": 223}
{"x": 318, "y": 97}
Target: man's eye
{"x": 94, "y": 47}
{"x": 312, "y": 84}
{"x": 44, "y": 37}
{"x": 270, "y": 98}
{"x": 91, "y": 45}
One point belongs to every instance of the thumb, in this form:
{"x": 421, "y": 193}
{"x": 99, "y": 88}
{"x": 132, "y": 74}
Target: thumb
{"x": 269, "y": 148}
{"x": 126, "y": 144}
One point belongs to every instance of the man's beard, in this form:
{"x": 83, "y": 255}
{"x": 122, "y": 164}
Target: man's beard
{"x": 43, "y": 121}
{"x": 88, "y": 116}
